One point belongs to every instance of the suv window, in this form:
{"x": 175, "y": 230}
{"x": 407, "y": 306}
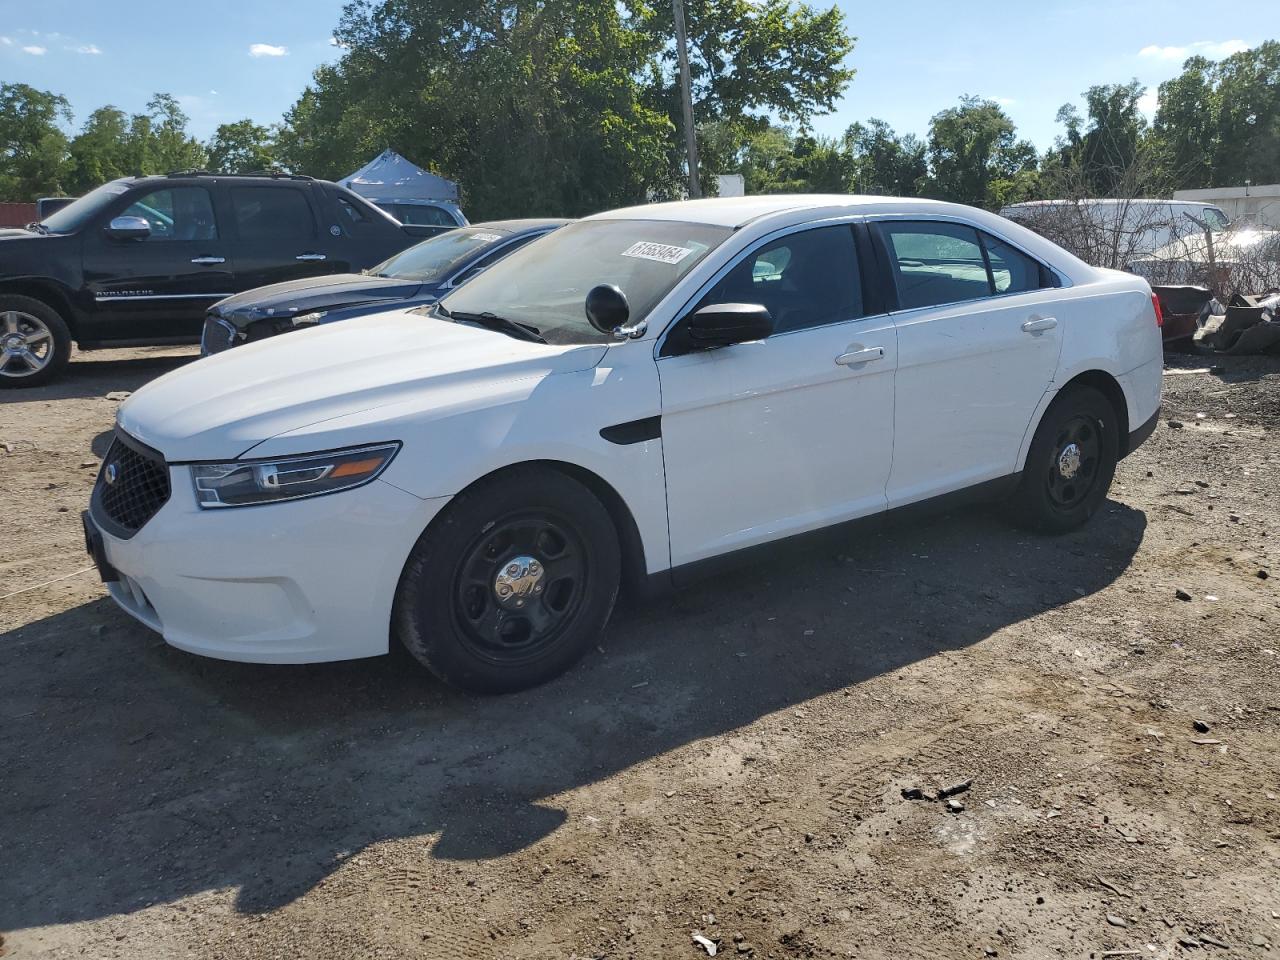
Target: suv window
{"x": 272, "y": 213}
{"x": 176, "y": 213}
{"x": 423, "y": 215}
{"x": 806, "y": 279}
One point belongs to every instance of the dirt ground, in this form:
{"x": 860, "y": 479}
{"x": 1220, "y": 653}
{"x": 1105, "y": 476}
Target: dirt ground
{"x": 730, "y": 763}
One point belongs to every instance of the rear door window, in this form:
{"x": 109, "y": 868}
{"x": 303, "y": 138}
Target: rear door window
{"x": 272, "y": 214}
{"x": 1012, "y": 271}
{"x": 935, "y": 263}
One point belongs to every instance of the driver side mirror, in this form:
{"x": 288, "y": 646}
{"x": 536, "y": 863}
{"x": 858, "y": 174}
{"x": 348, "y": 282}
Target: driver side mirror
{"x": 129, "y": 228}
{"x": 724, "y": 324}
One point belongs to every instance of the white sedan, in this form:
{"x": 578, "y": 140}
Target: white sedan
{"x": 617, "y": 404}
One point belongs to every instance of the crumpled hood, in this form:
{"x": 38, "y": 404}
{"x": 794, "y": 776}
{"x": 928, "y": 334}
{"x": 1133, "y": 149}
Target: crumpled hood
{"x": 308, "y": 294}
{"x": 219, "y": 407}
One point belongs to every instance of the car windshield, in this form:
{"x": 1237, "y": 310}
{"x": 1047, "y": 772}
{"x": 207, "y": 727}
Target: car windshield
{"x": 545, "y": 284}
{"x": 433, "y": 260}
{"x": 77, "y": 213}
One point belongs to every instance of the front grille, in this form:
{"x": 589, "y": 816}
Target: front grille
{"x": 133, "y": 485}
{"x": 217, "y": 336}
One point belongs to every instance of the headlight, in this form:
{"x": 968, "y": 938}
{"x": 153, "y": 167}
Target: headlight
{"x": 243, "y": 483}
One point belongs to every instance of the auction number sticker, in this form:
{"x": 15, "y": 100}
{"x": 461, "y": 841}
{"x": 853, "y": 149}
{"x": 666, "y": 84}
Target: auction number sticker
{"x": 661, "y": 252}
{"x": 488, "y": 237}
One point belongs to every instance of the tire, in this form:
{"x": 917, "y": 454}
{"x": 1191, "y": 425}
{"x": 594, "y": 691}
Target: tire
{"x": 1061, "y": 489}
{"x": 35, "y": 343}
{"x": 511, "y": 584}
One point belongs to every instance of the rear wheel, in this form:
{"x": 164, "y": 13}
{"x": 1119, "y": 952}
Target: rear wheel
{"x": 1071, "y": 462}
{"x": 511, "y": 584}
{"x": 35, "y": 343}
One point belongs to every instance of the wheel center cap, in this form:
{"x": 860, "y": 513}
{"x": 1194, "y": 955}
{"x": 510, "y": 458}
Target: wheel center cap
{"x": 518, "y": 581}
{"x": 13, "y": 341}
{"x": 1069, "y": 461}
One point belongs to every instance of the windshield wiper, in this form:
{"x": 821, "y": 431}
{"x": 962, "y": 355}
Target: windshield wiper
{"x": 491, "y": 321}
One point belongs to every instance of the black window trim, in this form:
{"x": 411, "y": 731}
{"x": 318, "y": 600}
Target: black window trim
{"x": 874, "y": 280}
{"x": 891, "y": 290}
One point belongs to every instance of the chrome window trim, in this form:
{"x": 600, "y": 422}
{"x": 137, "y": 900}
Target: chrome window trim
{"x": 109, "y": 298}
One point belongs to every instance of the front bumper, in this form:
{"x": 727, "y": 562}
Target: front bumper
{"x": 303, "y": 581}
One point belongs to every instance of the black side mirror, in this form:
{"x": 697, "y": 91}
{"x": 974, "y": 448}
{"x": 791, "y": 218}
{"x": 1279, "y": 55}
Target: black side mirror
{"x": 723, "y": 324}
{"x": 129, "y": 228}
{"x": 607, "y": 307}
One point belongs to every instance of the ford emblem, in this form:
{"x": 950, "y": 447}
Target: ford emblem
{"x": 111, "y": 473}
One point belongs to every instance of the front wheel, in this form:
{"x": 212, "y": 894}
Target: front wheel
{"x": 35, "y": 343}
{"x": 511, "y": 584}
{"x": 1070, "y": 464}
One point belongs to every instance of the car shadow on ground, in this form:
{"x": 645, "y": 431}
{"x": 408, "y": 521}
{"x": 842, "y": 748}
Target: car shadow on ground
{"x": 135, "y": 774}
{"x": 95, "y": 373}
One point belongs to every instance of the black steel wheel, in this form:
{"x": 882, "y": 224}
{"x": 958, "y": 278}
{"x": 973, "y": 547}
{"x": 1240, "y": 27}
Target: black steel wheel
{"x": 519, "y": 586}
{"x": 1071, "y": 462}
{"x": 512, "y": 583}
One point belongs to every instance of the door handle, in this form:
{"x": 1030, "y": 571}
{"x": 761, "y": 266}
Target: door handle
{"x": 205, "y": 260}
{"x": 311, "y": 256}
{"x": 1039, "y": 324}
{"x": 860, "y": 355}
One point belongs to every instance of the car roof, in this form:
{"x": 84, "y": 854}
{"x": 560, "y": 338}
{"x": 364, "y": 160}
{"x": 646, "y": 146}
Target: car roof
{"x": 519, "y": 226}
{"x": 738, "y": 211}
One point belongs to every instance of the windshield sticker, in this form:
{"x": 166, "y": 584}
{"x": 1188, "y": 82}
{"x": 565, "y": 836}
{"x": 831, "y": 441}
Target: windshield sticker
{"x": 486, "y": 237}
{"x": 661, "y": 252}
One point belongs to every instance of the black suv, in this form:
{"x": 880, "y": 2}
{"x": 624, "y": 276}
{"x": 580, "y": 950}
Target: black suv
{"x": 139, "y": 260}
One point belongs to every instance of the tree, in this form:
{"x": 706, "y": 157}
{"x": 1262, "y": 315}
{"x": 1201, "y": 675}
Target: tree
{"x": 747, "y": 59}
{"x": 101, "y": 151}
{"x": 170, "y": 147}
{"x": 1219, "y": 123}
{"x": 976, "y": 158}
{"x": 1103, "y": 152}
{"x": 33, "y": 148}
{"x": 555, "y": 106}
{"x": 241, "y": 147}
{"x": 883, "y": 162}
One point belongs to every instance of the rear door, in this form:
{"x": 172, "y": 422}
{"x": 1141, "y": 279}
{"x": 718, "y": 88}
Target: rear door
{"x": 157, "y": 288}
{"x": 979, "y": 333}
{"x": 276, "y": 234}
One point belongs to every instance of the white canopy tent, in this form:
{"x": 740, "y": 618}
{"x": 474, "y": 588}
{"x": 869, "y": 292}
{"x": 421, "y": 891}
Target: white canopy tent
{"x": 390, "y": 178}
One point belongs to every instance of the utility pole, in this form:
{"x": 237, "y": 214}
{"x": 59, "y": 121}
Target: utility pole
{"x": 686, "y": 99}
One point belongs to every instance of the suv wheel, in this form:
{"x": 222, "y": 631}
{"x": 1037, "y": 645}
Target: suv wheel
{"x": 35, "y": 343}
{"x": 511, "y": 584}
{"x": 1071, "y": 462}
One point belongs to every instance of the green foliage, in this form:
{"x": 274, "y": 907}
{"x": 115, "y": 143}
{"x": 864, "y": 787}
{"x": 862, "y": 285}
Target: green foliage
{"x": 241, "y": 147}
{"x": 1218, "y": 124}
{"x": 884, "y": 163}
{"x": 33, "y": 148}
{"x": 975, "y": 156}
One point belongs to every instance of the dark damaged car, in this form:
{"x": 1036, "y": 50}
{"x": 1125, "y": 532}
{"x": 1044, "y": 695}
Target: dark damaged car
{"x": 419, "y": 275}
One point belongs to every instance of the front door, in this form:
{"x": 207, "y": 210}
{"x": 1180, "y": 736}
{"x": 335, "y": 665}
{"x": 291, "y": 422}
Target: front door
{"x": 157, "y": 288}
{"x": 795, "y": 432}
{"x": 979, "y": 332}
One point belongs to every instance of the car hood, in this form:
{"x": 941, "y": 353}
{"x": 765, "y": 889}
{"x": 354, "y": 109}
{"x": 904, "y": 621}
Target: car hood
{"x": 307, "y": 295}
{"x": 219, "y": 407}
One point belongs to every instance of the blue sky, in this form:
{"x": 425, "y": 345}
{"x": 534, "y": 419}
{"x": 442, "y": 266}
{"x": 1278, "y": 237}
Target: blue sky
{"x": 238, "y": 58}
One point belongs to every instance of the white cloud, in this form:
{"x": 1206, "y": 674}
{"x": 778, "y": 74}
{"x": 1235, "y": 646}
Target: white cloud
{"x": 1005, "y": 101}
{"x": 1149, "y": 102}
{"x": 34, "y": 51}
{"x": 89, "y": 48}
{"x": 267, "y": 50}
{"x": 6, "y": 41}
{"x": 1213, "y": 49}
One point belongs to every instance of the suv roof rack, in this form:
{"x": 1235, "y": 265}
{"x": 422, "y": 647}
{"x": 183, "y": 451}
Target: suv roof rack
{"x": 259, "y": 174}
